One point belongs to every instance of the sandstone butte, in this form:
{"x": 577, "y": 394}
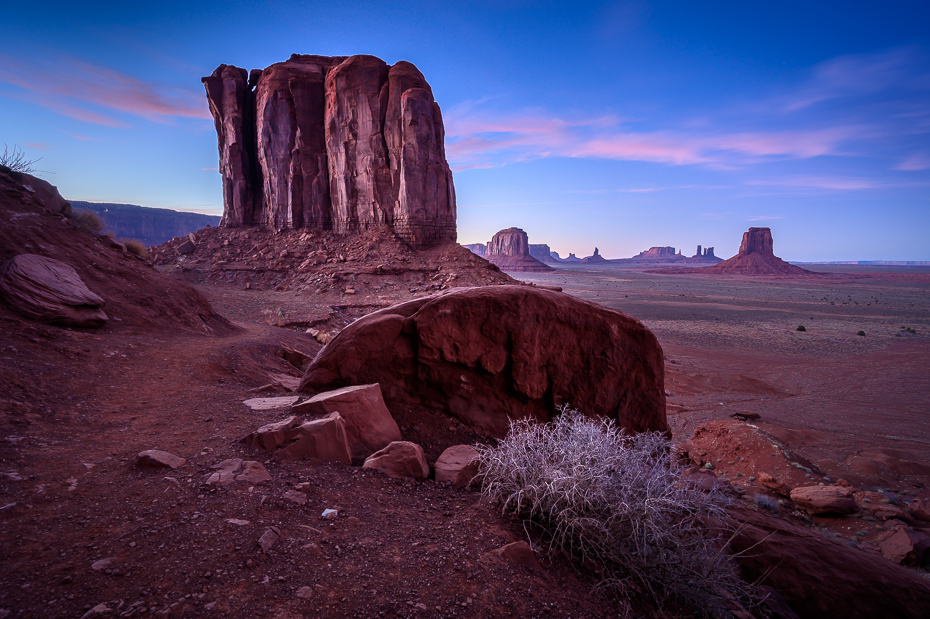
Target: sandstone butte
{"x": 510, "y": 251}
{"x": 756, "y": 257}
{"x": 333, "y": 143}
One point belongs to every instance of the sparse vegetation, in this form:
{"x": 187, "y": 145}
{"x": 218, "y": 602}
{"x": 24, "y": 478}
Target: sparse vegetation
{"x": 861, "y": 333}
{"x": 618, "y": 502}
{"x": 15, "y": 160}
{"x": 135, "y": 246}
{"x": 801, "y": 328}
{"x": 766, "y": 502}
{"x": 87, "y": 220}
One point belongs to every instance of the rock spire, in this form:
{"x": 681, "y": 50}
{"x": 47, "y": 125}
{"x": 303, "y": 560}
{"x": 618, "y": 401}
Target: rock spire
{"x": 333, "y": 143}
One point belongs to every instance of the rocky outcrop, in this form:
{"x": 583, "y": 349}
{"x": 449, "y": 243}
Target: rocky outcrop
{"x": 819, "y": 577}
{"x": 543, "y": 253}
{"x": 50, "y": 291}
{"x": 756, "y": 257}
{"x": 594, "y": 258}
{"x": 489, "y": 355}
{"x": 818, "y": 500}
{"x": 656, "y": 253}
{"x": 333, "y": 143}
{"x": 509, "y": 250}
{"x": 457, "y": 465}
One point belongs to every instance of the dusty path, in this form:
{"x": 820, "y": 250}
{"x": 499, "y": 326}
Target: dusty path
{"x": 80, "y": 406}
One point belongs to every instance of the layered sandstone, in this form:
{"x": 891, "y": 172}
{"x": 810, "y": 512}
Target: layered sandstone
{"x": 333, "y": 143}
{"x": 510, "y": 251}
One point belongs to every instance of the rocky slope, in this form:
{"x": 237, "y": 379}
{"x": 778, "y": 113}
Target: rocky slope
{"x": 149, "y": 225}
{"x": 333, "y": 143}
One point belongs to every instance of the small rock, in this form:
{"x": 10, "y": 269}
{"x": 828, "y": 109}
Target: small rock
{"x": 265, "y": 404}
{"x": 253, "y": 472}
{"x": 305, "y": 593}
{"x": 709, "y": 466}
{"x": 919, "y": 509}
{"x": 225, "y": 472}
{"x": 154, "y": 458}
{"x": 102, "y": 564}
{"x": 99, "y": 609}
{"x": 329, "y": 514}
{"x": 268, "y": 538}
{"x": 401, "y": 460}
{"x": 237, "y": 522}
{"x": 297, "y": 497}
{"x": 186, "y": 248}
{"x": 457, "y": 464}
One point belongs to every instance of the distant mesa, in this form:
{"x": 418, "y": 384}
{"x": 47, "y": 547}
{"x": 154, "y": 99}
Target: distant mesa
{"x": 544, "y": 253}
{"x": 570, "y": 258}
{"x": 756, "y": 257}
{"x": 340, "y": 143}
{"x": 509, "y": 250}
{"x": 479, "y": 249}
{"x": 669, "y": 255}
{"x": 595, "y": 258}
{"x": 152, "y": 226}
{"x": 656, "y": 253}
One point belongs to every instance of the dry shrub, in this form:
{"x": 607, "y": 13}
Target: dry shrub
{"x": 88, "y": 220}
{"x": 135, "y": 246}
{"x": 15, "y": 160}
{"x": 618, "y": 502}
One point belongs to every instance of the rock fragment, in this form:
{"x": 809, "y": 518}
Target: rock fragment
{"x": 907, "y": 547}
{"x": 401, "y": 460}
{"x": 268, "y": 538}
{"x": 521, "y": 554}
{"x": 253, "y": 472}
{"x": 823, "y": 500}
{"x": 369, "y": 424}
{"x": 458, "y": 465}
{"x": 273, "y": 435}
{"x": 154, "y": 458}
{"x": 225, "y": 472}
{"x": 322, "y": 440}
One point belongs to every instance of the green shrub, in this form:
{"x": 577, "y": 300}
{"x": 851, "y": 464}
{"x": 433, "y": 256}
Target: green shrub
{"x": 618, "y": 502}
{"x": 88, "y": 220}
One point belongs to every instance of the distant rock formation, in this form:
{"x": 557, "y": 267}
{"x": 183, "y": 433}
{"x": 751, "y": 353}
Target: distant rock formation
{"x": 152, "y": 226}
{"x": 570, "y": 258}
{"x": 656, "y": 253}
{"x": 510, "y": 251}
{"x": 594, "y": 258}
{"x": 707, "y": 253}
{"x": 479, "y": 249}
{"x": 333, "y": 143}
{"x": 543, "y": 253}
{"x": 756, "y": 257}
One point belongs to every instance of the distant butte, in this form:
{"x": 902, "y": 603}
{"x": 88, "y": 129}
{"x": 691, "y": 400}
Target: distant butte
{"x": 756, "y": 257}
{"x": 509, "y": 250}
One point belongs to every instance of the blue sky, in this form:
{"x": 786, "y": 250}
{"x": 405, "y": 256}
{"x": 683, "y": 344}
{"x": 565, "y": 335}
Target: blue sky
{"x": 621, "y": 125}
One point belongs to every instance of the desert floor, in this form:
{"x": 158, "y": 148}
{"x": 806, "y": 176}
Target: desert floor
{"x": 856, "y": 406}
{"x": 79, "y": 405}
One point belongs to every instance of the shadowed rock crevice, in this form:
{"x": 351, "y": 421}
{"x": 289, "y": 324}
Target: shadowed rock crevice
{"x": 333, "y": 143}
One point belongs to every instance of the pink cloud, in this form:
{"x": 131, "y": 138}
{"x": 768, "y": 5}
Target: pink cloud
{"x": 37, "y": 145}
{"x": 819, "y": 182}
{"x": 915, "y": 163}
{"x": 487, "y": 140}
{"x": 63, "y": 86}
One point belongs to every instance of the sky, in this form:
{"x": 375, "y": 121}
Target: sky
{"x": 617, "y": 125}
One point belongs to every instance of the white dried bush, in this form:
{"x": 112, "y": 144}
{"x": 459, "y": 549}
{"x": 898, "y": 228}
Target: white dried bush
{"x": 15, "y": 160}
{"x": 619, "y": 502}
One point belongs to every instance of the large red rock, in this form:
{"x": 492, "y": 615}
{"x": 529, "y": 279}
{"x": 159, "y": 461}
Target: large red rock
{"x": 320, "y": 440}
{"x": 907, "y": 547}
{"x": 270, "y": 437}
{"x": 824, "y": 499}
{"x": 401, "y": 460}
{"x": 341, "y": 143}
{"x": 819, "y": 577}
{"x": 755, "y": 257}
{"x": 232, "y": 105}
{"x": 291, "y": 143}
{"x": 489, "y": 355}
{"x": 510, "y": 251}
{"x": 51, "y": 291}
{"x": 369, "y": 425}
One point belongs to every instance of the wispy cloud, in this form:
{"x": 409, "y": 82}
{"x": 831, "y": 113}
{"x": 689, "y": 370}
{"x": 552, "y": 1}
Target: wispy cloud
{"x": 819, "y": 182}
{"x": 72, "y": 87}
{"x": 915, "y": 163}
{"x": 37, "y": 145}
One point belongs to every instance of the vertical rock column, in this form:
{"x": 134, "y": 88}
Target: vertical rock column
{"x": 359, "y": 175}
{"x": 231, "y": 103}
{"x": 290, "y": 104}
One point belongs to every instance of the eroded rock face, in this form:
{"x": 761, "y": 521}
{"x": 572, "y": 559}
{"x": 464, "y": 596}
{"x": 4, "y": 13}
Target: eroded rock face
{"x": 510, "y": 251}
{"x": 333, "y": 143}
{"x": 50, "y": 291}
{"x": 824, "y": 499}
{"x": 489, "y": 355}
{"x": 757, "y": 241}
